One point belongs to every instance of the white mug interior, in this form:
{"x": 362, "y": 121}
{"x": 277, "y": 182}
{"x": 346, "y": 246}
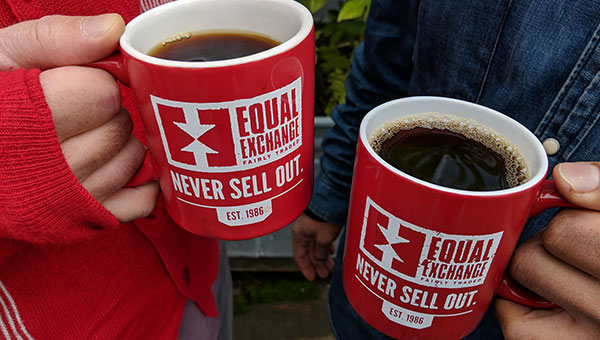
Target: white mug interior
{"x": 512, "y": 130}
{"x": 286, "y": 21}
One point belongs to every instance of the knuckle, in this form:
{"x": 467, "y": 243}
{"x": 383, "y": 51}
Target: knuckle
{"x": 118, "y": 130}
{"x": 555, "y": 234}
{"x": 520, "y": 266}
{"x": 572, "y": 233}
{"x": 43, "y": 30}
{"x": 130, "y": 165}
{"x": 147, "y": 208}
{"x": 148, "y": 204}
{"x": 112, "y": 139}
{"x": 111, "y": 94}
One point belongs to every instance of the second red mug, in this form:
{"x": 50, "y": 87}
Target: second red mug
{"x": 424, "y": 261}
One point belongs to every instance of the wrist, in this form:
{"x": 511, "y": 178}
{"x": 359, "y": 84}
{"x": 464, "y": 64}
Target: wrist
{"x": 312, "y": 215}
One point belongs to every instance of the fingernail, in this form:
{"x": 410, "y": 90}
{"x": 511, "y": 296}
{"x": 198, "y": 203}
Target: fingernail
{"x": 581, "y": 177}
{"x": 97, "y": 26}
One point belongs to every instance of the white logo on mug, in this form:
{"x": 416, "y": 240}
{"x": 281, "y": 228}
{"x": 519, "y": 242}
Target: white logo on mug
{"x": 231, "y": 136}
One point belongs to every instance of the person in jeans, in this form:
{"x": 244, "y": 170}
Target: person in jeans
{"x": 535, "y": 61}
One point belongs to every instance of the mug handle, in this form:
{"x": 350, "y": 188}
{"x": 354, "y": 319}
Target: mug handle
{"x": 509, "y": 288}
{"x": 115, "y": 65}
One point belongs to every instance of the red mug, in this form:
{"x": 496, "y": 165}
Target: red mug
{"x": 424, "y": 261}
{"x": 230, "y": 141}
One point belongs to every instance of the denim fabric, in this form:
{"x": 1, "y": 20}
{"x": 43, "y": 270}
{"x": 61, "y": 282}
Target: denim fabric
{"x": 536, "y": 61}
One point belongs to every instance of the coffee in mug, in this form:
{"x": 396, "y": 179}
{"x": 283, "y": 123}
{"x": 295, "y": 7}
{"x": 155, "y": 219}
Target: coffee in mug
{"x": 212, "y": 46}
{"x": 451, "y": 151}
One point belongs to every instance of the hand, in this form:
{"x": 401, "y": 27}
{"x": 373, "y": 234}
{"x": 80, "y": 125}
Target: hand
{"x": 561, "y": 264}
{"x": 93, "y": 129}
{"x": 313, "y": 246}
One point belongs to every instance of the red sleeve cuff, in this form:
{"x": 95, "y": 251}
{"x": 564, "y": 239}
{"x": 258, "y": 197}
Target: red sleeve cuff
{"x": 41, "y": 200}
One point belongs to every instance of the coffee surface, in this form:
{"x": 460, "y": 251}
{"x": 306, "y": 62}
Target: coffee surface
{"x": 211, "y": 46}
{"x": 451, "y": 151}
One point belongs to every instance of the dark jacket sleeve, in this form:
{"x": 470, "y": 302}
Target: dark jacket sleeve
{"x": 380, "y": 72}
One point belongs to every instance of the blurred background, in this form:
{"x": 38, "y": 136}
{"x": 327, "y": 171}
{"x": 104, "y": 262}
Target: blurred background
{"x": 272, "y": 300}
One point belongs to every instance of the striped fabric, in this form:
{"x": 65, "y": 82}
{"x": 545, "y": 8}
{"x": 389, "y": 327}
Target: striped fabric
{"x": 149, "y": 4}
{"x": 11, "y": 325}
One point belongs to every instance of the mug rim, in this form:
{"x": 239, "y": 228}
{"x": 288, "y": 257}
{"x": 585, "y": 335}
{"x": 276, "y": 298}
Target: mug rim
{"x": 535, "y": 179}
{"x": 302, "y": 12}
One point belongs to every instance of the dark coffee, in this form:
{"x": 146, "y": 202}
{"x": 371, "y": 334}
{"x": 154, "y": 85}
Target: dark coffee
{"x": 211, "y": 46}
{"x": 451, "y": 151}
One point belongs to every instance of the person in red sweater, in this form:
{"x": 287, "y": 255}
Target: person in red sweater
{"x": 82, "y": 257}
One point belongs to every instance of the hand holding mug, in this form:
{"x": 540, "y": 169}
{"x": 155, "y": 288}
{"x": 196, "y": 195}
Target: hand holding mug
{"x": 231, "y": 138}
{"x": 560, "y": 263}
{"x": 93, "y": 129}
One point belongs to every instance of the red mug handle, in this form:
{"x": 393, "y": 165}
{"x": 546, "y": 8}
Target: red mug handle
{"x": 115, "y": 65}
{"x": 509, "y": 288}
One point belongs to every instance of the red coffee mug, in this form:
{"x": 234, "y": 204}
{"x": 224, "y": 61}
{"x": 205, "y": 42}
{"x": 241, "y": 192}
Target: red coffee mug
{"x": 231, "y": 141}
{"x": 424, "y": 261}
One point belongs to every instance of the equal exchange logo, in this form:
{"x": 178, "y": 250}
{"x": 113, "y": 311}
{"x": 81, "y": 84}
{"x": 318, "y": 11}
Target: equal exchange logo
{"x": 426, "y": 272}
{"x": 231, "y": 136}
{"x": 229, "y": 156}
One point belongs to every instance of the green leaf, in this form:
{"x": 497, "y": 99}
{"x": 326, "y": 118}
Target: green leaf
{"x": 353, "y": 27}
{"x": 353, "y": 9}
{"x": 314, "y": 5}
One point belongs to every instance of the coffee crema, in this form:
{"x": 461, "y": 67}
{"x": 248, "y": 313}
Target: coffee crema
{"x": 451, "y": 151}
{"x": 212, "y": 46}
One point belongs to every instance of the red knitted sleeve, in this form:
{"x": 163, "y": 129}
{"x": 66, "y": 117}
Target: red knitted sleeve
{"x": 41, "y": 201}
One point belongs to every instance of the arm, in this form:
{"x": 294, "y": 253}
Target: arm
{"x": 380, "y": 72}
{"x": 561, "y": 264}
{"x": 66, "y": 144}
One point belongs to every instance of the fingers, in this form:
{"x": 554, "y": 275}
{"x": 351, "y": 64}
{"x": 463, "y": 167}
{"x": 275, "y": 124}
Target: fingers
{"x": 114, "y": 174}
{"x": 560, "y": 264}
{"x": 579, "y": 183}
{"x": 519, "y": 322}
{"x": 572, "y": 289}
{"x": 59, "y": 40}
{"x": 129, "y": 204}
{"x": 88, "y": 151}
{"x": 313, "y": 245}
{"x": 302, "y": 245}
{"x": 106, "y": 184}
{"x": 574, "y": 237}
{"x": 323, "y": 245}
{"x": 301, "y": 256}
{"x": 80, "y": 98}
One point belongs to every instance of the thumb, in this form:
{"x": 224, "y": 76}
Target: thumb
{"x": 59, "y": 41}
{"x": 579, "y": 183}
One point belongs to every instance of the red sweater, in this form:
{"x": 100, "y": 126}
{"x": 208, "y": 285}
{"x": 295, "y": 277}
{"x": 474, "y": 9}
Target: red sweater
{"x": 68, "y": 268}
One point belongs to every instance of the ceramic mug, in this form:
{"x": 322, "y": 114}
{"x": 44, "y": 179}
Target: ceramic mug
{"x": 230, "y": 141}
{"x": 424, "y": 261}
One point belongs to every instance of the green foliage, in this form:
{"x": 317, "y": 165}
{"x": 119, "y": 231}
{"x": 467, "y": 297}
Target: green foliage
{"x": 314, "y": 5}
{"x": 336, "y": 36}
{"x": 274, "y": 290}
{"x": 353, "y": 9}
{"x": 283, "y": 290}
